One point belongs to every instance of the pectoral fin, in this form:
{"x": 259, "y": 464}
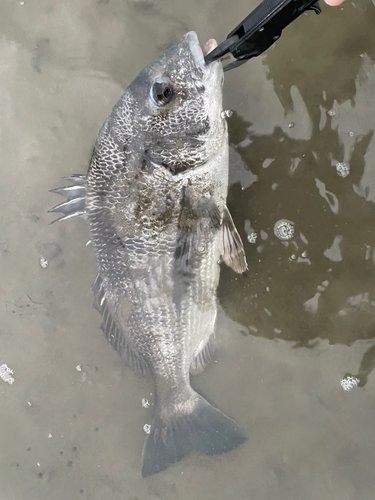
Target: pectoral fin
{"x": 231, "y": 247}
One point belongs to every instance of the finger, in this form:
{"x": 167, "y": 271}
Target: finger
{"x": 334, "y": 2}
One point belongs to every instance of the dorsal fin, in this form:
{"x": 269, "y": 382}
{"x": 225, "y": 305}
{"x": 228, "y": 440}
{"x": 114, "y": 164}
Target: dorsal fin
{"x": 75, "y": 203}
{"x": 113, "y": 313}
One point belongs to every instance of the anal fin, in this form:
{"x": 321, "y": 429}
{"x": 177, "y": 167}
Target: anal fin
{"x": 203, "y": 357}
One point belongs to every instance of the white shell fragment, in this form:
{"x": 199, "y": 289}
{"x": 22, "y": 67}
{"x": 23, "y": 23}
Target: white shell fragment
{"x": 145, "y": 403}
{"x": 43, "y": 262}
{"x": 331, "y": 112}
{"x": 342, "y": 169}
{"x": 349, "y": 382}
{"x": 284, "y": 229}
{"x": 79, "y": 368}
{"x": 147, "y": 428}
{"x": 6, "y": 374}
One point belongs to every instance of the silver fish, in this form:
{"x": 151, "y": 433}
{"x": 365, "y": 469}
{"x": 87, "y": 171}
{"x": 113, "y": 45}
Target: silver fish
{"x": 155, "y": 200}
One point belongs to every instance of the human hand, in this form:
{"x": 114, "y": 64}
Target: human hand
{"x": 334, "y": 2}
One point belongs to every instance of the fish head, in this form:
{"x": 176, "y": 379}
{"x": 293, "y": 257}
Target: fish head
{"x": 174, "y": 107}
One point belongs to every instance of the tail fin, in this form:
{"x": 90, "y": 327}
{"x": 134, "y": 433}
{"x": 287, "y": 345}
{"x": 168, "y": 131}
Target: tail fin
{"x": 205, "y": 429}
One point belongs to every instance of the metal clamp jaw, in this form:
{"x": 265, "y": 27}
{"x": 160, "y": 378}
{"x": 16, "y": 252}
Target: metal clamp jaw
{"x": 260, "y": 29}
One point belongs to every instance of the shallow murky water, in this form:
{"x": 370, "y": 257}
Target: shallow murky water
{"x": 291, "y": 332}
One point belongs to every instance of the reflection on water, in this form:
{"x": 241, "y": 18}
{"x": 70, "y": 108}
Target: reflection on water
{"x": 297, "y": 178}
{"x": 301, "y": 320}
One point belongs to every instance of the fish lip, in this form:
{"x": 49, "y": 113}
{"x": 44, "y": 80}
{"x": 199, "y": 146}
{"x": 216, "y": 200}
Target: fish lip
{"x": 196, "y": 49}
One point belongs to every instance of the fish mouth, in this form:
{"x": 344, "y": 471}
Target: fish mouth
{"x": 197, "y": 52}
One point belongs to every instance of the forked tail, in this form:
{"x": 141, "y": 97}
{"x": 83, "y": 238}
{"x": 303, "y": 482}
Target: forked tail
{"x": 204, "y": 428}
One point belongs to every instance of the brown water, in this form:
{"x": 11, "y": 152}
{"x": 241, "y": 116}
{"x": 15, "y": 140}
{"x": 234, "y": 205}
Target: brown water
{"x": 300, "y": 321}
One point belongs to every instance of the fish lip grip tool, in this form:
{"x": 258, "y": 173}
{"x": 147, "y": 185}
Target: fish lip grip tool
{"x": 260, "y": 29}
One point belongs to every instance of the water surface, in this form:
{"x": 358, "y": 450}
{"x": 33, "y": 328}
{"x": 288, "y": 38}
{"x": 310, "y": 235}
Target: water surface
{"x": 300, "y": 321}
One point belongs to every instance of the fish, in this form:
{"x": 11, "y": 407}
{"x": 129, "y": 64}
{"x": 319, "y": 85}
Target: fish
{"x": 154, "y": 198}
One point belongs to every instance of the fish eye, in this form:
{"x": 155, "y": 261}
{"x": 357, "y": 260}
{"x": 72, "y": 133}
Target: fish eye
{"x": 162, "y": 92}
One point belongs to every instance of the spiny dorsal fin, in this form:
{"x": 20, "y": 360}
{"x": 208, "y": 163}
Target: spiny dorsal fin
{"x": 231, "y": 247}
{"x": 75, "y": 198}
{"x": 77, "y": 178}
{"x": 70, "y": 192}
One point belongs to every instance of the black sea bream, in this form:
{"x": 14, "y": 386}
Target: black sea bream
{"x": 155, "y": 200}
